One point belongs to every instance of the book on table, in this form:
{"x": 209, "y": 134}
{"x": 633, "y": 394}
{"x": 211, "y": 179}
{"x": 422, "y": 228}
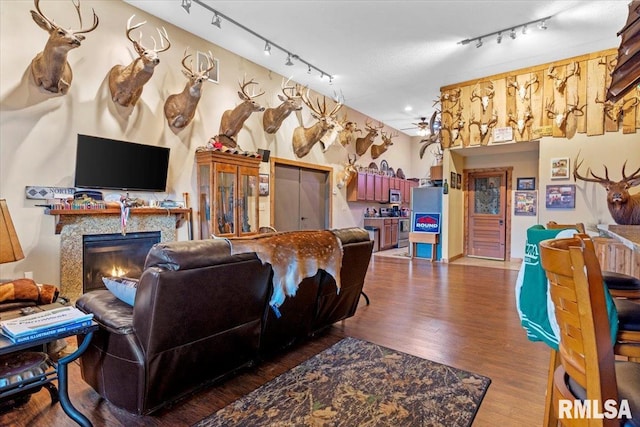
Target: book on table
{"x": 45, "y": 323}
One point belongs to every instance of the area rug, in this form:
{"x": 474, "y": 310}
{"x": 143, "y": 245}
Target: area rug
{"x": 357, "y": 383}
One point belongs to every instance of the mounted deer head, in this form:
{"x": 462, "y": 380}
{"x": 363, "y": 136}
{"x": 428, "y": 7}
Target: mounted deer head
{"x": 624, "y": 208}
{"x": 573, "y": 69}
{"x": 363, "y": 143}
{"x": 347, "y": 173}
{"x": 614, "y": 110}
{"x": 126, "y": 82}
{"x": 484, "y": 99}
{"x": 561, "y": 119}
{"x": 291, "y": 101}
{"x": 330, "y": 138}
{"x": 457, "y": 124}
{"x": 348, "y": 134}
{"x": 180, "y": 108}
{"x": 49, "y": 68}
{"x": 305, "y": 138}
{"x": 233, "y": 120}
{"x": 484, "y": 127}
{"x": 522, "y": 90}
{"x": 377, "y": 150}
{"x": 521, "y": 122}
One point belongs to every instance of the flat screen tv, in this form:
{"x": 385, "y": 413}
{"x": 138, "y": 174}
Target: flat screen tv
{"x": 118, "y": 165}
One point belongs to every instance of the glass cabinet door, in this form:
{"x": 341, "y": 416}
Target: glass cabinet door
{"x": 225, "y": 195}
{"x": 204, "y": 195}
{"x": 248, "y": 201}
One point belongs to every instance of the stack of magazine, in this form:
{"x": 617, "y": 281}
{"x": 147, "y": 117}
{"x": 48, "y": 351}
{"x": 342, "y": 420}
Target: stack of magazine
{"x": 44, "y": 324}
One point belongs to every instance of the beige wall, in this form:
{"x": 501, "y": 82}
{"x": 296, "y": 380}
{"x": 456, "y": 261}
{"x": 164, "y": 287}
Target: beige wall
{"x": 38, "y": 131}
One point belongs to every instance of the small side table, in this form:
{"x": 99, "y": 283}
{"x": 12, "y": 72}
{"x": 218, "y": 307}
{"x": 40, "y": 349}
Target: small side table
{"x": 428, "y": 238}
{"x": 58, "y": 369}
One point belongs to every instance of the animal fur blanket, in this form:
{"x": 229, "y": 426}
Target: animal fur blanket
{"x": 293, "y": 256}
{"x": 28, "y": 290}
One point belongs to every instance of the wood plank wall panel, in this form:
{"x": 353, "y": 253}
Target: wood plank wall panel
{"x": 580, "y": 91}
{"x": 610, "y": 125}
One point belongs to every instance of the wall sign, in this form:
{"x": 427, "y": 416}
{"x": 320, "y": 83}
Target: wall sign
{"x": 426, "y": 222}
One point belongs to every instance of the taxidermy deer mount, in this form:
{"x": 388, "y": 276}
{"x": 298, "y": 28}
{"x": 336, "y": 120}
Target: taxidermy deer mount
{"x": 126, "y": 82}
{"x": 233, "y": 120}
{"x": 363, "y": 143}
{"x": 305, "y": 138}
{"x": 347, "y": 173}
{"x": 624, "y": 207}
{"x": 50, "y": 68}
{"x": 291, "y": 101}
{"x": 180, "y": 108}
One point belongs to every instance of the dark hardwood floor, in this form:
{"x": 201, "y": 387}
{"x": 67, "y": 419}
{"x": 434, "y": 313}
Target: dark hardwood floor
{"x": 462, "y": 316}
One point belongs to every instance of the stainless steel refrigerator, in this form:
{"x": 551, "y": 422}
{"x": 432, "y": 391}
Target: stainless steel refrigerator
{"x": 427, "y": 200}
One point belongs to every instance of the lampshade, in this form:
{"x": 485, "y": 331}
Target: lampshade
{"x": 10, "y": 249}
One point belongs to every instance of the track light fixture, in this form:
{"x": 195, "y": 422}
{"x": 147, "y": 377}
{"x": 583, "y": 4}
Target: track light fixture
{"x": 216, "y": 20}
{"x": 268, "y": 44}
{"x": 542, "y": 24}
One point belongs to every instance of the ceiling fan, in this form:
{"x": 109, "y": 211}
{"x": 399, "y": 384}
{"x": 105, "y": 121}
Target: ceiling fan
{"x": 422, "y": 126}
{"x": 429, "y": 131}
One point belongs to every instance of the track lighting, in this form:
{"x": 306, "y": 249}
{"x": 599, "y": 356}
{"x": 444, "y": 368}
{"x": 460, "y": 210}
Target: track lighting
{"x": 216, "y": 20}
{"x": 268, "y": 44}
{"x": 542, "y": 24}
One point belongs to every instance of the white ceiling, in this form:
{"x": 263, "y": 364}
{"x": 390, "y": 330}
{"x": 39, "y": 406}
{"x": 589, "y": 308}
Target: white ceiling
{"x": 387, "y": 55}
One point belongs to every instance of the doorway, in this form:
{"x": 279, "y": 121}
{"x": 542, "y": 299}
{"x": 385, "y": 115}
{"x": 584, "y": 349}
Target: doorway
{"x": 487, "y": 219}
{"x": 301, "y": 196}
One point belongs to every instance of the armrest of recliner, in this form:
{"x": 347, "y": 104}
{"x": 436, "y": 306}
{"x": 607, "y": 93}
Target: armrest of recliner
{"x": 108, "y": 311}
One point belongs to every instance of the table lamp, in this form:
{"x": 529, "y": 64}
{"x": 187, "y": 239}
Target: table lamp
{"x": 10, "y": 249}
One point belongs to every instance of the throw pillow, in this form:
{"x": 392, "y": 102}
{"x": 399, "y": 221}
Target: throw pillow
{"x": 124, "y": 288}
{"x": 28, "y": 290}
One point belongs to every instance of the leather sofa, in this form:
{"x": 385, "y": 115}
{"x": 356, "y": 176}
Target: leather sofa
{"x": 201, "y": 314}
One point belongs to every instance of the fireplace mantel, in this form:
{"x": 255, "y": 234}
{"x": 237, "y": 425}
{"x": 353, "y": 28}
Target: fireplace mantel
{"x": 66, "y": 216}
{"x": 72, "y": 224}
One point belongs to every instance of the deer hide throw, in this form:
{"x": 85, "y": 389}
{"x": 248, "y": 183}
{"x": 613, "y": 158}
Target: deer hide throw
{"x": 293, "y": 256}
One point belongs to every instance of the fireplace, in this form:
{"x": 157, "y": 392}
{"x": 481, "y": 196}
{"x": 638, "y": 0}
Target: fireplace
{"x": 105, "y": 255}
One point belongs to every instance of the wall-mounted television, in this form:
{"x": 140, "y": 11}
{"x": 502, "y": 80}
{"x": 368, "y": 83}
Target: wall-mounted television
{"x": 119, "y": 165}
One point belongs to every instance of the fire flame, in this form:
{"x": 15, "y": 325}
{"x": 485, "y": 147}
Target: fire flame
{"x": 117, "y": 271}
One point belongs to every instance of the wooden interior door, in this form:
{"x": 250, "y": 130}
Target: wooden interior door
{"x": 301, "y": 198}
{"x": 487, "y": 214}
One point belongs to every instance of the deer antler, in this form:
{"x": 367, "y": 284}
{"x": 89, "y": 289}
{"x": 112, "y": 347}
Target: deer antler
{"x": 76, "y": 4}
{"x": 599, "y": 180}
{"x": 243, "y": 87}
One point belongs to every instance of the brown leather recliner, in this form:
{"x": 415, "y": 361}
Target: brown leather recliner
{"x": 197, "y": 317}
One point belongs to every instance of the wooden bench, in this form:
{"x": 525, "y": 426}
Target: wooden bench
{"x": 429, "y": 238}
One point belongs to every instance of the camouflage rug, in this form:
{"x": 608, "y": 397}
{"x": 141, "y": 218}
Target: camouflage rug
{"x": 357, "y": 383}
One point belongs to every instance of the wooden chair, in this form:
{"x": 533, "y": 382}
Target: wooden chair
{"x": 619, "y": 285}
{"x": 588, "y": 369}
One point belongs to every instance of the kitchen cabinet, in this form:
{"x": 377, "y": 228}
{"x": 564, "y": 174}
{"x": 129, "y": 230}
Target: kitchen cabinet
{"x": 227, "y": 194}
{"x": 366, "y": 187}
{"x": 388, "y": 230}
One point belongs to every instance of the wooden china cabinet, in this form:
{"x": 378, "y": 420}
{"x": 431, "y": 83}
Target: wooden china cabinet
{"x": 227, "y": 194}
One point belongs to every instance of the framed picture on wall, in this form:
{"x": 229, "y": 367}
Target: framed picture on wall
{"x": 459, "y": 181}
{"x": 526, "y": 184}
{"x": 454, "y": 180}
{"x": 526, "y": 203}
{"x": 560, "y": 168}
{"x": 561, "y": 196}
{"x": 263, "y": 184}
{"x": 203, "y": 63}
